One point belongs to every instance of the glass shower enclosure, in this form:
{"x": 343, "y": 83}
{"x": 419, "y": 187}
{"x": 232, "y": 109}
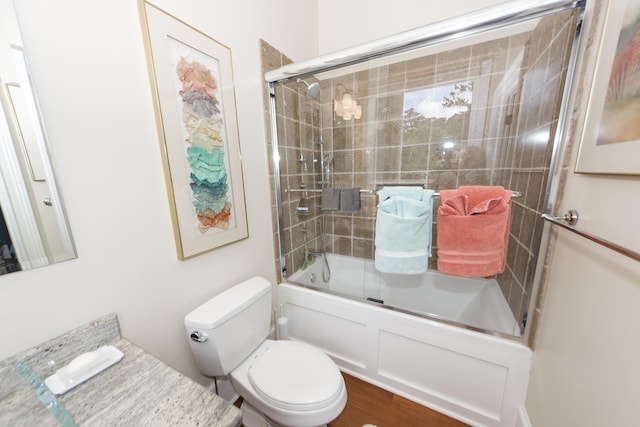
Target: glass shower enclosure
{"x": 480, "y": 100}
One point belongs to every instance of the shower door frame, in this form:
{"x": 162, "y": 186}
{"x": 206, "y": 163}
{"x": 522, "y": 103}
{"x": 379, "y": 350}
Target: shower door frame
{"x": 491, "y": 18}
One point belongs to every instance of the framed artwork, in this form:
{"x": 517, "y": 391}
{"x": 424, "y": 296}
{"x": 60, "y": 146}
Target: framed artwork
{"x": 611, "y": 133}
{"x": 192, "y": 85}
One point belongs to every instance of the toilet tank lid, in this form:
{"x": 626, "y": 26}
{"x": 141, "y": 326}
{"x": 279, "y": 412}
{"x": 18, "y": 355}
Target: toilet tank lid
{"x": 227, "y": 304}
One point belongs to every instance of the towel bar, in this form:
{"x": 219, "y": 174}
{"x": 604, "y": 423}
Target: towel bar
{"x": 514, "y": 194}
{"x": 316, "y": 190}
{"x": 571, "y": 218}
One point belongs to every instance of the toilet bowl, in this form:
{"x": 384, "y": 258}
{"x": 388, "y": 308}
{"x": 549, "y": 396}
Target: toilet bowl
{"x": 283, "y": 383}
{"x": 291, "y": 383}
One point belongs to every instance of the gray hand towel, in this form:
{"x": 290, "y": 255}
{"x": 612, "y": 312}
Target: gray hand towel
{"x": 330, "y": 199}
{"x": 350, "y": 200}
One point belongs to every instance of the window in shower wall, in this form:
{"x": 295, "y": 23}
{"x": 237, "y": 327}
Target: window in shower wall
{"x": 443, "y": 114}
{"x": 468, "y": 112}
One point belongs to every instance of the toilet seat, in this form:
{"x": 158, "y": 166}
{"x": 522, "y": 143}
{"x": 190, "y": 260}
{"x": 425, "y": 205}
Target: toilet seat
{"x": 284, "y": 371}
{"x": 282, "y": 409}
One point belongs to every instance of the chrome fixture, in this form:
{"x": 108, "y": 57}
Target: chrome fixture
{"x": 312, "y": 89}
{"x": 326, "y": 160}
{"x": 303, "y": 162}
{"x": 302, "y": 208}
{"x": 571, "y": 217}
{"x": 326, "y": 271}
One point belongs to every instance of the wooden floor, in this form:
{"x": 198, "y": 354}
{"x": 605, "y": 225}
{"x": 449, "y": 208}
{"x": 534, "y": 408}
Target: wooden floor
{"x": 368, "y": 404}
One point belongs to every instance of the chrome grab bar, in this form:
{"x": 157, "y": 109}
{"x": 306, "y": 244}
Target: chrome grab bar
{"x": 316, "y": 190}
{"x": 514, "y": 194}
{"x": 571, "y": 218}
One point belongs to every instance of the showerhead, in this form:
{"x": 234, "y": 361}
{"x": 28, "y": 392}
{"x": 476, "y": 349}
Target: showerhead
{"x": 312, "y": 89}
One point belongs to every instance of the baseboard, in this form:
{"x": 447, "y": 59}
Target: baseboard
{"x": 523, "y": 418}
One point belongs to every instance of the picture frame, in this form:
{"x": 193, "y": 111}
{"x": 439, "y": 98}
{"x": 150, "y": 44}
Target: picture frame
{"x": 610, "y": 141}
{"x": 192, "y": 85}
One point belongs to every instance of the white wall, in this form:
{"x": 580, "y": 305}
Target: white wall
{"x": 89, "y": 68}
{"x": 585, "y": 367}
{"x": 347, "y": 23}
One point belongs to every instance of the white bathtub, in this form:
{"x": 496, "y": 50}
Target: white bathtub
{"x": 475, "y": 377}
{"x": 473, "y": 302}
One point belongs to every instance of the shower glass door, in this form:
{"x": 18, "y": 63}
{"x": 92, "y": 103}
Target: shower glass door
{"x": 473, "y": 110}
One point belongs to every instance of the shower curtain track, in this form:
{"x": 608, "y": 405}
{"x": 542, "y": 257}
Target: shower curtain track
{"x": 450, "y": 29}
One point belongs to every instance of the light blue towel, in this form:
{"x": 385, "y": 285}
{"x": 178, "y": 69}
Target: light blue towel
{"x": 403, "y": 230}
{"x": 413, "y": 192}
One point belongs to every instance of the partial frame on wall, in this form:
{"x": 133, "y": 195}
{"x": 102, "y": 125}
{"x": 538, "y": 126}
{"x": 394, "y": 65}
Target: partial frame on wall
{"x": 610, "y": 142}
{"x": 192, "y": 84}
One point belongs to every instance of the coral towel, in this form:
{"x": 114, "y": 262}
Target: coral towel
{"x": 473, "y": 230}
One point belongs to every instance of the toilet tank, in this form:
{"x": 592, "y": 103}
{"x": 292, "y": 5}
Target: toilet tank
{"x": 223, "y": 331}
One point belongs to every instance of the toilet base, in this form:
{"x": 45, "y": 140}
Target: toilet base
{"x": 223, "y": 388}
{"x": 251, "y": 417}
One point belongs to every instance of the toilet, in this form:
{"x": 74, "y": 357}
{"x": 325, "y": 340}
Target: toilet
{"x": 282, "y": 383}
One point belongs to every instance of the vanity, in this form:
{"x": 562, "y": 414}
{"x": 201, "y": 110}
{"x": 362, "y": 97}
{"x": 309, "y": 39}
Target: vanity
{"x": 139, "y": 390}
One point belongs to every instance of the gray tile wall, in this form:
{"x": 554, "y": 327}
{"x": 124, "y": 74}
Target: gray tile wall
{"x": 505, "y": 140}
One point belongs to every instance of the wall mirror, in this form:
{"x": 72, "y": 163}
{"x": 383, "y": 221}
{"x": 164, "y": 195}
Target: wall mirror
{"x": 34, "y": 231}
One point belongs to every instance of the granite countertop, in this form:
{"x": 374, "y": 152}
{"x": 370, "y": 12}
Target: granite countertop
{"x": 139, "y": 390}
